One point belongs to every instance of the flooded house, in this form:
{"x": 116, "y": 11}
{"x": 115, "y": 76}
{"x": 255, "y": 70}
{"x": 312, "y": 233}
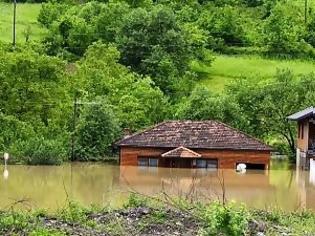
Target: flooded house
{"x": 193, "y": 144}
{"x": 305, "y": 148}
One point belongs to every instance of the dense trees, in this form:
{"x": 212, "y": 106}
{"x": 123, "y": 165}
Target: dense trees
{"x": 260, "y": 109}
{"x": 129, "y": 64}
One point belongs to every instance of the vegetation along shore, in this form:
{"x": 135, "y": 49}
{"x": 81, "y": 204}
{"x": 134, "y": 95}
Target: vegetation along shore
{"x": 147, "y": 216}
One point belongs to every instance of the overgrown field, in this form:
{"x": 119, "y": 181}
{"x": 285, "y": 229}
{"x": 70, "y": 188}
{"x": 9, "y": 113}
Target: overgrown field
{"x": 226, "y": 68}
{"x": 142, "y": 216}
{"x": 26, "y": 24}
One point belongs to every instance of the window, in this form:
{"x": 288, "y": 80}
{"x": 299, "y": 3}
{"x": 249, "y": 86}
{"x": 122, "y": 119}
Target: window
{"x": 146, "y": 161}
{"x": 153, "y": 162}
{"x": 143, "y": 161}
{"x": 212, "y": 164}
{"x": 201, "y": 163}
{"x": 207, "y": 163}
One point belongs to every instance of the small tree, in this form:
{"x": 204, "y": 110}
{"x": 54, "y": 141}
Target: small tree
{"x": 97, "y": 130}
{"x": 283, "y": 31}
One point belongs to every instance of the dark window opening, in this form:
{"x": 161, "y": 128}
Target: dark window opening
{"x": 301, "y": 131}
{"x": 253, "y": 166}
{"x": 147, "y": 161}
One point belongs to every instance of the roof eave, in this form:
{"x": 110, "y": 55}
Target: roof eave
{"x": 308, "y": 112}
{"x": 207, "y": 148}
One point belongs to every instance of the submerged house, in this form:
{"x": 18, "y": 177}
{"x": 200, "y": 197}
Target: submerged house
{"x": 305, "y": 150}
{"x": 193, "y": 144}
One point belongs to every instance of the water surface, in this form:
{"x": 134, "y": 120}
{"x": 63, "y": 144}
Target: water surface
{"x": 50, "y": 186}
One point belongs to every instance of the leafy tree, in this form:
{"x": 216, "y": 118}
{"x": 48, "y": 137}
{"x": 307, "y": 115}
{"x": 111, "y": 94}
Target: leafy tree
{"x": 136, "y": 101}
{"x": 97, "y": 130}
{"x": 152, "y": 43}
{"x": 51, "y": 12}
{"x": 204, "y": 105}
{"x": 32, "y": 86}
{"x": 283, "y": 31}
{"x": 224, "y": 25}
{"x": 266, "y": 106}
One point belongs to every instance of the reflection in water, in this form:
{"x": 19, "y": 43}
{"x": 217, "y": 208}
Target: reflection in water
{"x": 5, "y": 173}
{"x": 312, "y": 172}
{"x": 49, "y": 186}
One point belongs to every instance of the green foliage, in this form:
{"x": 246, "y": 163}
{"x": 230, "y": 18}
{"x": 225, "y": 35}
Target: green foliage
{"x": 264, "y": 116}
{"x": 230, "y": 219}
{"x": 41, "y": 151}
{"x": 50, "y": 12}
{"x": 135, "y": 100}
{"x": 15, "y": 221}
{"x": 135, "y": 200}
{"x": 152, "y": 43}
{"x": 45, "y": 232}
{"x": 73, "y": 213}
{"x": 96, "y": 132}
{"x": 283, "y": 32}
{"x": 204, "y": 105}
{"x": 31, "y": 86}
{"x": 142, "y": 60}
{"x": 224, "y": 25}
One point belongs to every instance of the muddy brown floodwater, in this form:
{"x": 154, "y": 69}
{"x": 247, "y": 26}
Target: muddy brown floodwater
{"x": 50, "y": 186}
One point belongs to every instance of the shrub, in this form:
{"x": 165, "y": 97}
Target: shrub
{"x": 230, "y": 219}
{"x": 96, "y": 131}
{"x": 135, "y": 200}
{"x": 40, "y": 151}
{"x": 73, "y": 212}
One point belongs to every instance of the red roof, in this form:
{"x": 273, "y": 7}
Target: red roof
{"x": 194, "y": 134}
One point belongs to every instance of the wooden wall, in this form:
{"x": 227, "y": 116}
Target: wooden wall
{"x": 226, "y": 158}
{"x": 302, "y": 139}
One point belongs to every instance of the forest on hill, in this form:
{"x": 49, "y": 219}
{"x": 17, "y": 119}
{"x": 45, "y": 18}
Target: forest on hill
{"x": 98, "y": 68}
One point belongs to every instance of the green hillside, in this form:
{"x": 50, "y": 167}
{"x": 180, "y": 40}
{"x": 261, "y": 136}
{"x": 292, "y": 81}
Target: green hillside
{"x": 226, "y": 68}
{"x": 26, "y": 21}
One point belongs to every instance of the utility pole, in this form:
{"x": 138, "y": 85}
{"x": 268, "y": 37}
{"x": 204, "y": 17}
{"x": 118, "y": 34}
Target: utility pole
{"x": 305, "y": 11}
{"x": 75, "y": 108}
{"x": 14, "y": 23}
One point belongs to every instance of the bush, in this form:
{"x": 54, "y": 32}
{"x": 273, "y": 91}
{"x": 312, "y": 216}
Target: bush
{"x": 230, "y": 219}
{"x": 135, "y": 200}
{"x": 41, "y": 151}
{"x": 96, "y": 132}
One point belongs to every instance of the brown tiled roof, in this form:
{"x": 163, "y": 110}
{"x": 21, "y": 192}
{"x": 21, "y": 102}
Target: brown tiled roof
{"x": 194, "y": 134}
{"x": 181, "y": 152}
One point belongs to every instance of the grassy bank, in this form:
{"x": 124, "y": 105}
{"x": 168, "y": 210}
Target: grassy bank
{"x": 141, "y": 216}
{"x": 225, "y": 68}
{"x": 26, "y": 22}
